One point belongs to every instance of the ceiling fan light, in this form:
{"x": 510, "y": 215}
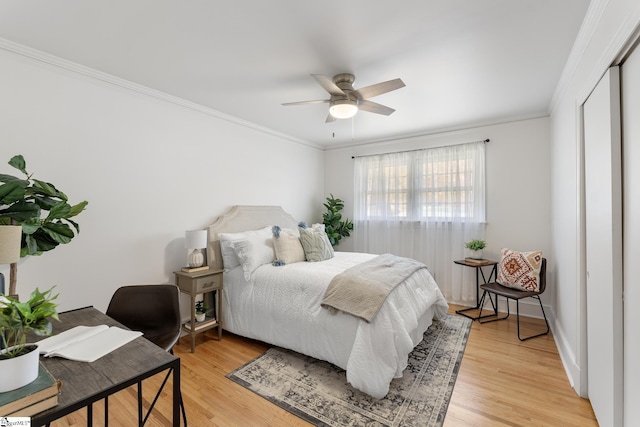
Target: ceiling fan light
{"x": 343, "y": 109}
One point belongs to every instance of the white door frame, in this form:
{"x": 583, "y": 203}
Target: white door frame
{"x": 603, "y": 248}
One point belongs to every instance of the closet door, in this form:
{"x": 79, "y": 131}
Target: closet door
{"x": 630, "y": 82}
{"x": 603, "y": 215}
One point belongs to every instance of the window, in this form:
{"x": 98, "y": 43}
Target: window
{"x": 439, "y": 184}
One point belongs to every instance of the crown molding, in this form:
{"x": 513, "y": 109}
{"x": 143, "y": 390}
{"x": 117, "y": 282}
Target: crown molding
{"x": 41, "y": 57}
{"x": 585, "y": 34}
{"x": 611, "y": 55}
{"x": 434, "y": 133}
{"x": 627, "y": 33}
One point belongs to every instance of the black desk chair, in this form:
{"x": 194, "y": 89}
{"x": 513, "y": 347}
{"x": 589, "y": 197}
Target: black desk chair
{"x": 153, "y": 310}
{"x": 515, "y": 294}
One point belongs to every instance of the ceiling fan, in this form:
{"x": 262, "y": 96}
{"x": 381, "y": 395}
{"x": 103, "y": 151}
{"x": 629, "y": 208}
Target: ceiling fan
{"x": 345, "y": 101}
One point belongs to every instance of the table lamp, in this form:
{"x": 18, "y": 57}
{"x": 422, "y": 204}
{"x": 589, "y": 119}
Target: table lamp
{"x": 10, "y": 242}
{"x": 196, "y": 240}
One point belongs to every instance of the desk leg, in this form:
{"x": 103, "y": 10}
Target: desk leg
{"x": 176, "y": 394}
{"x": 90, "y": 415}
{"x": 106, "y": 411}
{"x": 140, "y": 420}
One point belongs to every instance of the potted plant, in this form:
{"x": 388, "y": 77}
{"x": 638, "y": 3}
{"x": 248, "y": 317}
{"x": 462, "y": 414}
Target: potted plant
{"x": 40, "y": 208}
{"x": 201, "y": 311}
{"x": 335, "y": 227}
{"x": 19, "y": 360}
{"x": 474, "y": 248}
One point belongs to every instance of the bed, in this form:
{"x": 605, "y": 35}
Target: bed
{"x": 281, "y": 304}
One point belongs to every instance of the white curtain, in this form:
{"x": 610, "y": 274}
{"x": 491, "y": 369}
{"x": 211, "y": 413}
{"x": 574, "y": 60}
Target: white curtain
{"x": 424, "y": 204}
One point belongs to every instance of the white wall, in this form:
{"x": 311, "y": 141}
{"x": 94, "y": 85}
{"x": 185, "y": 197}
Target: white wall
{"x": 149, "y": 168}
{"x": 518, "y": 185}
{"x": 607, "y": 28}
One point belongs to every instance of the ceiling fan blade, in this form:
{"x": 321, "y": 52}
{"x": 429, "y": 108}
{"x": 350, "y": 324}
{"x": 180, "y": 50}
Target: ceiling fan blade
{"x": 330, "y": 118}
{"x": 379, "y": 88}
{"x": 327, "y": 84}
{"x": 373, "y": 107}
{"x": 318, "y": 101}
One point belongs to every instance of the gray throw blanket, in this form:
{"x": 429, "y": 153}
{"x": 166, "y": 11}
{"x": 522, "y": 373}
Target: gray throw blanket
{"x": 362, "y": 289}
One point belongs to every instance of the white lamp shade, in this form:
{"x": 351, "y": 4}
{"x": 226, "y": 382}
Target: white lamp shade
{"x": 10, "y": 239}
{"x": 195, "y": 239}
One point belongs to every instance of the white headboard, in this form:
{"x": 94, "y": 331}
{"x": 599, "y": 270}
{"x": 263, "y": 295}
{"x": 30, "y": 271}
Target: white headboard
{"x": 243, "y": 218}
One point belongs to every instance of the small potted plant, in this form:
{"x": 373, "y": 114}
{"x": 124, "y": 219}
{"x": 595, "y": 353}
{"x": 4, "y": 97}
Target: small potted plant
{"x": 201, "y": 311}
{"x": 474, "y": 248}
{"x": 19, "y": 360}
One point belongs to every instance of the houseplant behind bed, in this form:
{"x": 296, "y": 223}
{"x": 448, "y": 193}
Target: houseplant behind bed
{"x": 335, "y": 227}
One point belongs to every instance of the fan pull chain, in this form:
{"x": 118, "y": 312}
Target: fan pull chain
{"x": 353, "y": 129}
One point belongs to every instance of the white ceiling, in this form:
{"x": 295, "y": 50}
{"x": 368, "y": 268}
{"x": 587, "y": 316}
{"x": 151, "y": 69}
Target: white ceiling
{"x": 464, "y": 62}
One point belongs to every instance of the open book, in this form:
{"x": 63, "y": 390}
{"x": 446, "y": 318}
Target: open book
{"x": 86, "y": 343}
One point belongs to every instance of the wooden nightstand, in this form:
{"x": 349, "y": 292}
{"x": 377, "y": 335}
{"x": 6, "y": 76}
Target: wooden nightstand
{"x": 202, "y": 282}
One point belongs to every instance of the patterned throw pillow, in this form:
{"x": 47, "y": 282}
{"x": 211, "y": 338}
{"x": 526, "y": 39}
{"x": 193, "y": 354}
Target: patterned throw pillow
{"x": 520, "y": 270}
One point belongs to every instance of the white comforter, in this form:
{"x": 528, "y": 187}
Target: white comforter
{"x": 281, "y": 306}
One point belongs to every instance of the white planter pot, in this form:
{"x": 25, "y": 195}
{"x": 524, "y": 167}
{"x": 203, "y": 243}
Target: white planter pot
{"x": 473, "y": 254}
{"x": 19, "y": 371}
{"x": 200, "y": 317}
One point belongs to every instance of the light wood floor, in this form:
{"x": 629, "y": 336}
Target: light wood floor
{"x": 502, "y": 382}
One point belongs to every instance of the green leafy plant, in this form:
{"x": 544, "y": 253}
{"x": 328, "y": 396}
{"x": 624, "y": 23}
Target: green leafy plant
{"x": 475, "y": 245}
{"x": 19, "y": 318}
{"x": 201, "y": 308}
{"x": 335, "y": 227}
{"x": 41, "y": 209}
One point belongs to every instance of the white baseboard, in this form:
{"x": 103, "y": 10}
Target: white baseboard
{"x": 568, "y": 359}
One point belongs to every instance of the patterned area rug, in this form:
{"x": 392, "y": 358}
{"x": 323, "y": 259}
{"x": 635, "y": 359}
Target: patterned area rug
{"x": 318, "y": 391}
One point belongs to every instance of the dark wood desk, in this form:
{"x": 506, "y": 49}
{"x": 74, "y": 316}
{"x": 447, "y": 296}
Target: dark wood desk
{"x": 86, "y": 383}
{"x": 478, "y": 266}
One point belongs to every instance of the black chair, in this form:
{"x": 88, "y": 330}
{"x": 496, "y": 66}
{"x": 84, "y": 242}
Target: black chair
{"x": 153, "y": 310}
{"x": 515, "y": 294}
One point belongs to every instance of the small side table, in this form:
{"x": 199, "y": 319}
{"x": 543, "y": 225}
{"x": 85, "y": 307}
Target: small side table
{"x": 202, "y": 282}
{"x": 478, "y": 264}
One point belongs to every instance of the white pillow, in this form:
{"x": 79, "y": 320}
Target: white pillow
{"x": 229, "y": 257}
{"x": 253, "y": 251}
